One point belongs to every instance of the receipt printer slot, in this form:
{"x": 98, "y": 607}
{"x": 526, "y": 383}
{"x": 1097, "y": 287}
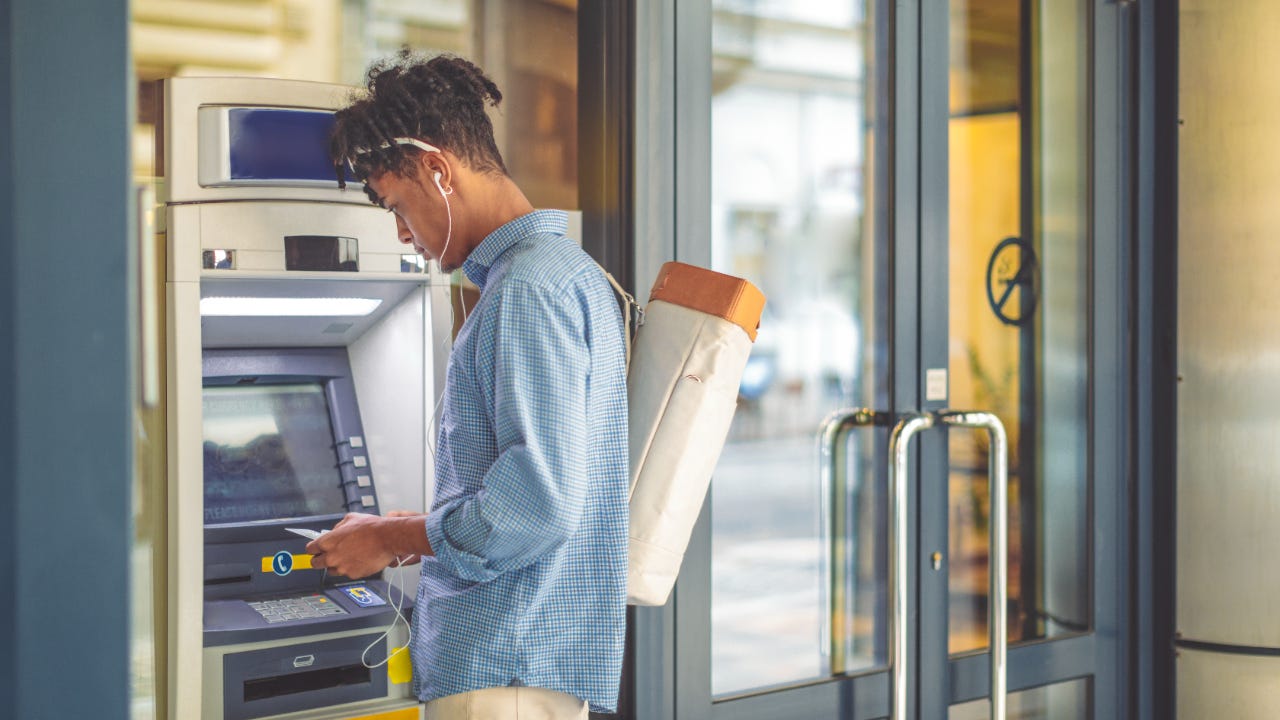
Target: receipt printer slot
{"x": 308, "y": 675}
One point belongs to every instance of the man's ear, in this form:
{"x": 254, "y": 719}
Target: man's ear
{"x": 434, "y": 163}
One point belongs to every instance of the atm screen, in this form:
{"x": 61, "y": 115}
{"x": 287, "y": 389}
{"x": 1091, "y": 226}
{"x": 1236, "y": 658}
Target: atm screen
{"x": 280, "y": 144}
{"x": 269, "y": 454}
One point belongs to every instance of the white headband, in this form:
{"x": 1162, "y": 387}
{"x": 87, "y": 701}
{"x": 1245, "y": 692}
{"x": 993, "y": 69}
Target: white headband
{"x": 423, "y": 146}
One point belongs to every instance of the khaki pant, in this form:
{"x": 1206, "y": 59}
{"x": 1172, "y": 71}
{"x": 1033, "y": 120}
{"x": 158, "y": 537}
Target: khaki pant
{"x": 507, "y": 703}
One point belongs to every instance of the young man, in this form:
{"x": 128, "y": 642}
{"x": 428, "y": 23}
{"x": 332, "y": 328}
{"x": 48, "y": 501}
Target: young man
{"x": 520, "y": 609}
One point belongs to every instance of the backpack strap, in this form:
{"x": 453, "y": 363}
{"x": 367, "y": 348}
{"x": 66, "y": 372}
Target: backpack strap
{"x": 633, "y": 307}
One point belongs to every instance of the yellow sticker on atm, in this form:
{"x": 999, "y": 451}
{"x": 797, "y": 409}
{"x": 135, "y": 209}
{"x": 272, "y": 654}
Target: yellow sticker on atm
{"x": 285, "y": 562}
{"x": 400, "y": 667}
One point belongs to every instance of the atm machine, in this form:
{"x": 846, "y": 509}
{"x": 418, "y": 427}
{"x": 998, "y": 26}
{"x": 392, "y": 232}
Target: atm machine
{"x": 304, "y": 345}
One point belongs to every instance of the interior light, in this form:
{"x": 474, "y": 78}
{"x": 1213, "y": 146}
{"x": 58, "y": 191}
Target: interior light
{"x": 287, "y": 307}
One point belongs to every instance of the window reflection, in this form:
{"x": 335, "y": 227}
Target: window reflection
{"x": 1017, "y": 139}
{"x": 790, "y": 212}
{"x": 528, "y": 47}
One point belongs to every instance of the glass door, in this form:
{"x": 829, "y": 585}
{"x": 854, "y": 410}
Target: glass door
{"x": 1017, "y": 129}
{"x": 929, "y": 195}
{"x": 793, "y": 167}
{"x": 800, "y": 136}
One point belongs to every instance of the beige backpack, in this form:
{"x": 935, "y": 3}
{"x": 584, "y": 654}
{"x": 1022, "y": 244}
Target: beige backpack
{"x": 685, "y": 366}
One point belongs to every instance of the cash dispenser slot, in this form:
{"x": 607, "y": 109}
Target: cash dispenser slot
{"x": 275, "y": 686}
{"x": 305, "y": 676}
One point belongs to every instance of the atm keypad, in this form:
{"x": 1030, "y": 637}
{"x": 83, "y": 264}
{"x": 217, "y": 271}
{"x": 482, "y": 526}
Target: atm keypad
{"x": 296, "y": 608}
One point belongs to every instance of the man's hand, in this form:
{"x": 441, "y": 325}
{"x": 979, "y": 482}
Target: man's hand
{"x": 361, "y": 544}
{"x": 356, "y": 547}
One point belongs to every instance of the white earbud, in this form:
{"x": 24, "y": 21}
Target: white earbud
{"x": 443, "y": 193}
{"x": 448, "y": 211}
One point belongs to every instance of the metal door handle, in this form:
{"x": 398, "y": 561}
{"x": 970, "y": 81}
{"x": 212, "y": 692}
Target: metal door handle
{"x": 998, "y": 482}
{"x": 899, "y": 562}
{"x": 834, "y": 429}
{"x": 834, "y": 490}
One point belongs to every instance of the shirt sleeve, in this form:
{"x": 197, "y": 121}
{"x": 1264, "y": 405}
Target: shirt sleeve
{"x": 532, "y": 497}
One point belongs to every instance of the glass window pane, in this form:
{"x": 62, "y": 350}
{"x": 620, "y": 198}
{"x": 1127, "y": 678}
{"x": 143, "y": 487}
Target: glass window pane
{"x": 1018, "y": 310}
{"x": 1063, "y": 701}
{"x": 791, "y": 211}
{"x": 528, "y": 47}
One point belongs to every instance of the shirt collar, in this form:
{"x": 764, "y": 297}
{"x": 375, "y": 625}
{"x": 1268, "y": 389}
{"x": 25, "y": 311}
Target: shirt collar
{"x": 477, "y": 264}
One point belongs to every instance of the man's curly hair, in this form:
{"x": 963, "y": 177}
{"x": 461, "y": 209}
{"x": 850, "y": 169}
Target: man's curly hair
{"x": 440, "y": 100}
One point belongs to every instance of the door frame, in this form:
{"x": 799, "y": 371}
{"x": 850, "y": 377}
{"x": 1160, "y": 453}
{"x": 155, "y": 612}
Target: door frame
{"x": 671, "y": 660}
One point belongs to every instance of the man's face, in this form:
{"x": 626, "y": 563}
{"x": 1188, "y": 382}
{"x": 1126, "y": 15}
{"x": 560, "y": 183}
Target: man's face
{"x": 422, "y": 216}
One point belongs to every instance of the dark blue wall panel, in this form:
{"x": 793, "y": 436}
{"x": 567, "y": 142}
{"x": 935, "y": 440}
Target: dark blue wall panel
{"x": 69, "y": 384}
{"x": 6, "y": 356}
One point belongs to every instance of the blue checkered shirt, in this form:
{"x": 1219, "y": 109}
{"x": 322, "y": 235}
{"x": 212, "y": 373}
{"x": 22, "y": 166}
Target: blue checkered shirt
{"x": 529, "y": 521}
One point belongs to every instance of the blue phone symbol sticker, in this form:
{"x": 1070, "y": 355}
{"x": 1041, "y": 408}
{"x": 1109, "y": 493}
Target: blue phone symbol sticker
{"x": 282, "y": 563}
